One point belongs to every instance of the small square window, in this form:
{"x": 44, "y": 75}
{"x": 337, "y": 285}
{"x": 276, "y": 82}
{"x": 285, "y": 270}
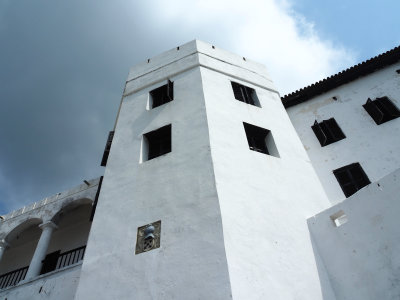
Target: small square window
{"x": 351, "y": 178}
{"x": 381, "y": 110}
{"x": 156, "y": 143}
{"x": 162, "y": 95}
{"x": 327, "y": 132}
{"x": 260, "y": 140}
{"x": 245, "y": 94}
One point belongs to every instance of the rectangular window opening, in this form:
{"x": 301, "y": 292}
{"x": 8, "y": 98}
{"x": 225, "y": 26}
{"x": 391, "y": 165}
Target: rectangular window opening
{"x": 245, "y": 94}
{"x": 327, "y": 131}
{"x": 260, "y": 140}
{"x": 156, "y": 143}
{"x": 107, "y": 149}
{"x": 381, "y": 110}
{"x": 161, "y": 95}
{"x": 351, "y": 178}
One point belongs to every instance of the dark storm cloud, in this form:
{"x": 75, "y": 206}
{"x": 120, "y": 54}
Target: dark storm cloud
{"x": 63, "y": 67}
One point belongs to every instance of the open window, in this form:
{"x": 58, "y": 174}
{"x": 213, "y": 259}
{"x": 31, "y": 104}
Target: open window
{"x": 245, "y": 94}
{"x": 381, "y": 110}
{"x": 162, "y": 95}
{"x": 351, "y": 178}
{"x": 327, "y": 132}
{"x": 107, "y": 149}
{"x": 156, "y": 143}
{"x": 260, "y": 140}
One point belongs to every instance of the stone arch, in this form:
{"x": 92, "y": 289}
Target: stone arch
{"x": 68, "y": 241}
{"x": 22, "y": 241}
{"x": 69, "y": 206}
{"x": 21, "y": 227}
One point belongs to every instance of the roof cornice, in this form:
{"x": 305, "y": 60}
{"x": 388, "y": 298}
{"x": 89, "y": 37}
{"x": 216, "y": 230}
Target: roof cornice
{"x": 367, "y": 67}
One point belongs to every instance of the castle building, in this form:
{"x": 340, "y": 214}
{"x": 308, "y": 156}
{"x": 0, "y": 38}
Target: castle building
{"x": 215, "y": 187}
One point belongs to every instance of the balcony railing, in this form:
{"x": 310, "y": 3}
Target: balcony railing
{"x": 70, "y": 257}
{"x": 62, "y": 260}
{"x": 13, "y": 277}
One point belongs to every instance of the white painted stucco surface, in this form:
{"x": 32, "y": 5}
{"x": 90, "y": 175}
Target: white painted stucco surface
{"x": 362, "y": 256}
{"x": 262, "y": 198}
{"x": 70, "y": 210}
{"x": 177, "y": 188}
{"x": 233, "y": 221}
{"x": 57, "y": 285}
{"x": 375, "y": 147}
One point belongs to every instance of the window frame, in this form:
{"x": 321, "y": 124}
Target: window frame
{"x": 328, "y": 132}
{"x": 355, "y": 184}
{"x": 245, "y": 94}
{"x": 160, "y": 138}
{"x": 381, "y": 109}
{"x": 161, "y": 95}
{"x": 260, "y": 140}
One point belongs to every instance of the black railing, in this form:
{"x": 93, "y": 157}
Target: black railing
{"x": 64, "y": 259}
{"x": 13, "y": 277}
{"x": 70, "y": 257}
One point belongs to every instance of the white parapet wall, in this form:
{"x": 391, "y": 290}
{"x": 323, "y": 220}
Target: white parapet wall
{"x": 57, "y": 285}
{"x": 358, "y": 241}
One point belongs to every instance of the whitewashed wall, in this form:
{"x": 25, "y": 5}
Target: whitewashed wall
{"x": 20, "y": 229}
{"x": 262, "y": 198}
{"x": 233, "y": 220}
{"x": 375, "y": 147}
{"x": 177, "y": 188}
{"x": 362, "y": 256}
{"x": 58, "y": 285}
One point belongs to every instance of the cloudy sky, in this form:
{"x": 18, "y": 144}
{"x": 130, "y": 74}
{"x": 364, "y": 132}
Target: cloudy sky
{"x": 63, "y": 65}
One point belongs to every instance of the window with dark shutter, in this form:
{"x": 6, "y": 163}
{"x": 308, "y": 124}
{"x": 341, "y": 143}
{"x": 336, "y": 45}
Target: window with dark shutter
{"x": 158, "y": 142}
{"x": 107, "y": 149}
{"x": 381, "y": 110}
{"x": 260, "y": 140}
{"x": 50, "y": 262}
{"x": 327, "y": 132}
{"x": 351, "y": 178}
{"x": 162, "y": 94}
{"x": 245, "y": 94}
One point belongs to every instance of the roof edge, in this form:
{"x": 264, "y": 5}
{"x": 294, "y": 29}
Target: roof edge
{"x": 362, "y": 69}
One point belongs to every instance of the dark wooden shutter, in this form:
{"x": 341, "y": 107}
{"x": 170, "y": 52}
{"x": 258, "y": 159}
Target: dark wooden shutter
{"x": 336, "y": 132}
{"x": 96, "y": 199}
{"x": 170, "y": 90}
{"x": 345, "y": 181}
{"x": 374, "y": 111}
{"x": 237, "y": 91}
{"x": 389, "y": 107}
{"x": 319, "y": 133}
{"x": 248, "y": 95}
{"x": 359, "y": 177}
{"x": 351, "y": 178}
{"x": 50, "y": 262}
{"x": 107, "y": 149}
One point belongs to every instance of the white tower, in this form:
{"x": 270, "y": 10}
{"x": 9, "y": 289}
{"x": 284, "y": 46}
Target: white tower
{"x": 207, "y": 188}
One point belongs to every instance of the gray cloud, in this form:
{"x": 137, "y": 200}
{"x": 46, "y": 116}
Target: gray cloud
{"x": 63, "y": 67}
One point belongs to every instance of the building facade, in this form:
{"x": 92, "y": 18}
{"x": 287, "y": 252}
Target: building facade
{"x": 215, "y": 190}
